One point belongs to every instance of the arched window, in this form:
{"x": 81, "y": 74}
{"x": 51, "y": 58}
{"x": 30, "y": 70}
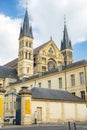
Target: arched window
{"x": 26, "y": 55}
{"x": 26, "y": 43}
{"x": 30, "y": 44}
{"x": 27, "y": 69}
{"x": 22, "y": 43}
{"x": 51, "y": 65}
{"x": 29, "y": 55}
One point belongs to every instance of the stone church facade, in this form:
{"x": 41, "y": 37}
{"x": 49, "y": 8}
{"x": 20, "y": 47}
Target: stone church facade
{"x": 44, "y": 77}
{"x": 43, "y": 58}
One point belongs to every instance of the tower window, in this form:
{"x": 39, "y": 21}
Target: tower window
{"x": 22, "y": 44}
{"x": 30, "y": 44}
{"x": 29, "y": 55}
{"x": 27, "y": 69}
{"x": 27, "y": 44}
{"x": 26, "y": 55}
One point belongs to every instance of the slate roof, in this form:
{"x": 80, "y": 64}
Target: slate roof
{"x": 51, "y": 94}
{"x": 36, "y": 50}
{"x": 58, "y": 69}
{"x": 26, "y": 30}
{"x": 7, "y": 72}
{"x": 15, "y": 61}
{"x": 65, "y": 43}
{"x": 12, "y": 63}
{"x": 76, "y": 64}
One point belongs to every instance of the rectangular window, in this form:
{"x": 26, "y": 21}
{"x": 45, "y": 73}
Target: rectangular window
{"x": 60, "y": 83}
{"x": 72, "y": 80}
{"x": 81, "y": 74}
{"x": 73, "y": 93}
{"x": 39, "y": 84}
{"x": 49, "y": 83}
{"x": 83, "y": 95}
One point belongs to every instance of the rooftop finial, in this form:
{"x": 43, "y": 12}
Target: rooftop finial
{"x": 26, "y": 5}
{"x": 64, "y": 19}
{"x": 50, "y": 37}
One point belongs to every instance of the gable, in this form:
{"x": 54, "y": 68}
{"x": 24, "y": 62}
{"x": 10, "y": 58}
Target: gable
{"x": 51, "y": 49}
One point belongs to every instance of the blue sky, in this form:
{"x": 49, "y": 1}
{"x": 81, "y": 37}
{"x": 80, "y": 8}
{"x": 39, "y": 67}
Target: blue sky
{"x": 47, "y": 19}
{"x": 80, "y": 51}
{"x": 9, "y": 7}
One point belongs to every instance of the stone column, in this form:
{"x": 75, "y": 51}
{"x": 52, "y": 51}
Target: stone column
{"x": 25, "y": 94}
{"x": 2, "y": 91}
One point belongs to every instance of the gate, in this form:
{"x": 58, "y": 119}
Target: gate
{"x": 12, "y": 107}
{"x": 18, "y": 110}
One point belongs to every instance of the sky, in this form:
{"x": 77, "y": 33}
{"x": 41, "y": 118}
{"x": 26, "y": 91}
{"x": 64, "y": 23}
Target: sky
{"x": 47, "y": 19}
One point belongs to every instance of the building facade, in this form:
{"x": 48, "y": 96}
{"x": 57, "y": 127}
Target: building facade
{"x": 46, "y": 70}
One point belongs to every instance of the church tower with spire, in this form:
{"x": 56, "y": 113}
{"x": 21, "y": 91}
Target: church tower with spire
{"x": 66, "y": 46}
{"x": 25, "y": 53}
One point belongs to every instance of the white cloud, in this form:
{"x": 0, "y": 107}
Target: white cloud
{"x": 47, "y": 20}
{"x": 9, "y": 31}
{"x": 47, "y": 17}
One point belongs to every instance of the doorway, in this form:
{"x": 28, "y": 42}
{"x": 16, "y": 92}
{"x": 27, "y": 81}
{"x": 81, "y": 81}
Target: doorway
{"x": 39, "y": 111}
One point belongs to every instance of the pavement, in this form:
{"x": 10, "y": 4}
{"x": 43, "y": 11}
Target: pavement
{"x": 61, "y": 126}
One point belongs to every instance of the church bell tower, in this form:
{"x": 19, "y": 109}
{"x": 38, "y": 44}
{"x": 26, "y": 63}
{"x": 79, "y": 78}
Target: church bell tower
{"x": 25, "y": 52}
{"x": 66, "y": 47}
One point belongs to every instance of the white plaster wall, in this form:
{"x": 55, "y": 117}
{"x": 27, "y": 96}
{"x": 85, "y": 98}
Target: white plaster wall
{"x": 54, "y": 111}
{"x": 69, "y": 111}
{"x": 82, "y": 112}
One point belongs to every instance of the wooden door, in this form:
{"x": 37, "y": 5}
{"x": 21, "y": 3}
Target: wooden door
{"x": 39, "y": 112}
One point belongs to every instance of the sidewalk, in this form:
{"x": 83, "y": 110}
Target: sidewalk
{"x": 33, "y": 125}
{"x": 47, "y": 124}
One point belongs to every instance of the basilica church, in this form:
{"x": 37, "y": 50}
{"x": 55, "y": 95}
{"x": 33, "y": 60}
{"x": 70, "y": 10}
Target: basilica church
{"x": 46, "y": 79}
{"x": 43, "y": 58}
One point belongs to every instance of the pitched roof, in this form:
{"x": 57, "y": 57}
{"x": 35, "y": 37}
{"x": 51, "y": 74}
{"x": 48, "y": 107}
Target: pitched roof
{"x": 12, "y": 63}
{"x": 36, "y": 50}
{"x": 58, "y": 69}
{"x": 65, "y": 43}
{"x": 76, "y": 64}
{"x": 7, "y": 72}
{"x": 26, "y": 30}
{"x": 51, "y": 94}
